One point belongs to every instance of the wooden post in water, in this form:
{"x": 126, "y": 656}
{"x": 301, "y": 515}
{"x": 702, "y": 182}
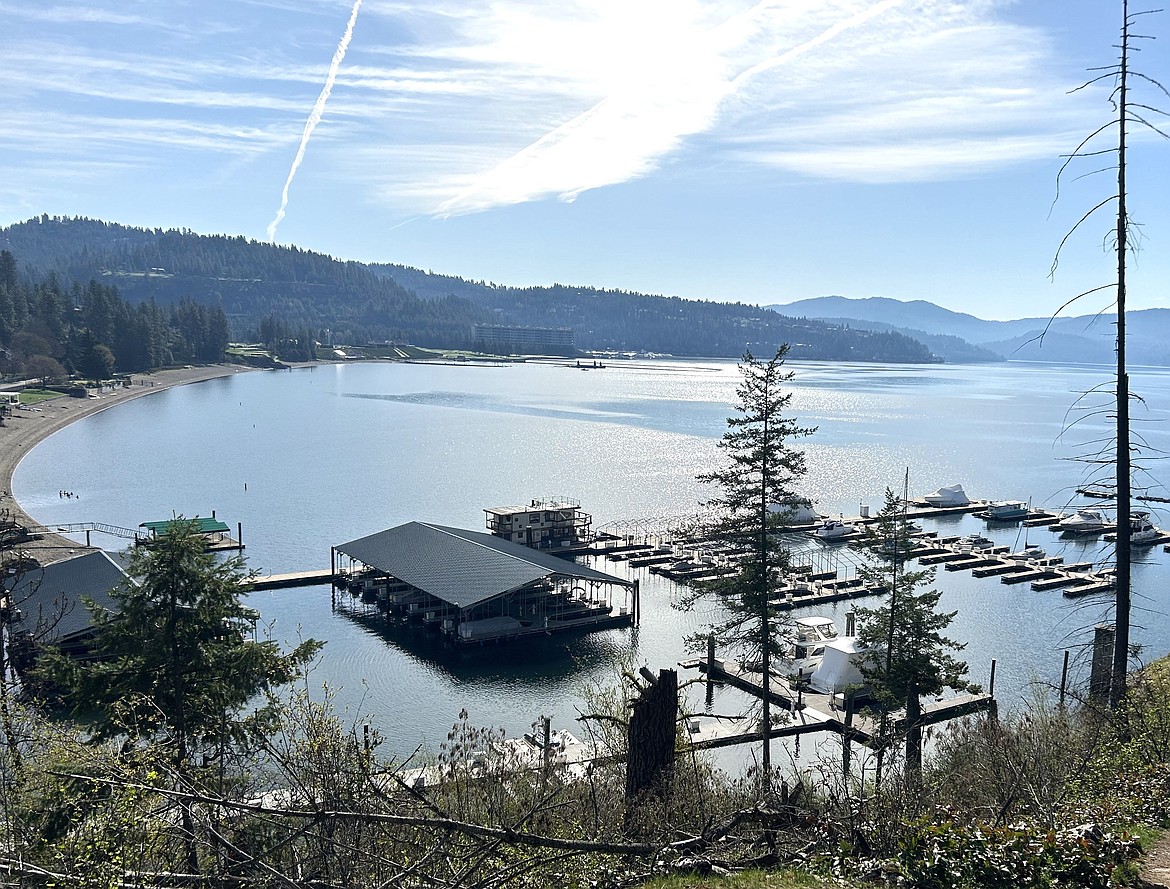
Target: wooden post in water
{"x": 1064, "y": 679}
{"x": 710, "y": 659}
{"x": 637, "y": 602}
{"x": 332, "y": 578}
{"x": 240, "y": 534}
{"x": 846, "y": 750}
{"x": 991, "y": 681}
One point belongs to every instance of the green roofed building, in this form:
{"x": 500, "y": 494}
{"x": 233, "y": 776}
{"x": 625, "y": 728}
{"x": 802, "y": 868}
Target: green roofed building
{"x": 216, "y": 533}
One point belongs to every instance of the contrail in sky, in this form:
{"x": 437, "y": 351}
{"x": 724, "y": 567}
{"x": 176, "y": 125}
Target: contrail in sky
{"x": 315, "y": 115}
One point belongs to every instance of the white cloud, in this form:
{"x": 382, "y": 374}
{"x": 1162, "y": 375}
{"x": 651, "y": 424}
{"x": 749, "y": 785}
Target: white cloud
{"x": 574, "y": 97}
{"x": 459, "y": 106}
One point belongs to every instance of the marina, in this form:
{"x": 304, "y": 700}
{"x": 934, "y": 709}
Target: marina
{"x": 397, "y": 443}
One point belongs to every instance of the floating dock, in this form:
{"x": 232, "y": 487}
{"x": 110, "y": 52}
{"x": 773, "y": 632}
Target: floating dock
{"x": 809, "y": 711}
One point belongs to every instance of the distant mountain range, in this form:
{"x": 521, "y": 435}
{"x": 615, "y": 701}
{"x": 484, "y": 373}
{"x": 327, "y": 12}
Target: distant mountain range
{"x": 957, "y": 337}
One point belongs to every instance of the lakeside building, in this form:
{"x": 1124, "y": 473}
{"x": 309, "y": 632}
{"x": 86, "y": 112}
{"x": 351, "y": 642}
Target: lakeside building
{"x": 504, "y": 339}
{"x": 543, "y": 524}
{"x": 48, "y": 603}
{"x": 474, "y": 587}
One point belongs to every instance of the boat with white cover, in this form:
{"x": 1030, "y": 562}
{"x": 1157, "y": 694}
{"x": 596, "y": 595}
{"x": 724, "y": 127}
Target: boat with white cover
{"x": 950, "y": 495}
{"x": 840, "y": 667}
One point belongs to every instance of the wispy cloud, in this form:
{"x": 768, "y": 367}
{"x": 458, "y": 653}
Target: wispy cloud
{"x": 461, "y": 106}
{"x": 577, "y": 98}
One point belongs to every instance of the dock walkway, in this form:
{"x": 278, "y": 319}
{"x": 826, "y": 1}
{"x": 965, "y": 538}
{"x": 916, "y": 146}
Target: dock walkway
{"x": 808, "y": 711}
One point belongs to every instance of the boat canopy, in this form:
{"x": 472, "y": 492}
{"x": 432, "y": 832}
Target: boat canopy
{"x": 840, "y": 667}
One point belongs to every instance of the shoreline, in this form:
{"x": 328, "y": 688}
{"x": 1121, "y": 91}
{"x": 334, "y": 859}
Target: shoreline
{"x": 25, "y": 429}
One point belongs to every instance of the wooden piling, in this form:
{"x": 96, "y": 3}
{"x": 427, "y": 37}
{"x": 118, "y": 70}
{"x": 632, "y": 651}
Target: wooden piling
{"x": 1063, "y": 679}
{"x": 1101, "y": 672}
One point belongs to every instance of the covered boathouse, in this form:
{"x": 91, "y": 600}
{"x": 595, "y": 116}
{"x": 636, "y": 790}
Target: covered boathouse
{"x": 475, "y": 587}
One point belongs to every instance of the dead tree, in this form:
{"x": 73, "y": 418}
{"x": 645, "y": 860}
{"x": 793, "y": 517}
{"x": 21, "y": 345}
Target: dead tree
{"x": 653, "y": 723}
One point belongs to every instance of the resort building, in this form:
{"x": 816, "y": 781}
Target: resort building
{"x": 503, "y": 339}
{"x": 543, "y": 524}
{"x": 474, "y": 587}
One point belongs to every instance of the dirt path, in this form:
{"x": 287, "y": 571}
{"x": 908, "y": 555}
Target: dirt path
{"x": 22, "y": 432}
{"x": 1155, "y": 871}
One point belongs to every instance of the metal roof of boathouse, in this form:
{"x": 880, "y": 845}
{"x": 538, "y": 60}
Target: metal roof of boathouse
{"x": 198, "y": 524}
{"x": 462, "y": 567}
{"x": 50, "y": 599}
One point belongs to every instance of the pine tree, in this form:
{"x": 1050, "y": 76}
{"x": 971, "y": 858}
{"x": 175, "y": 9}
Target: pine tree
{"x": 910, "y": 658}
{"x": 175, "y": 661}
{"x": 756, "y": 486}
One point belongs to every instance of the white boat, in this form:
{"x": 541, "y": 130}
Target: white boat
{"x": 1141, "y": 530}
{"x": 796, "y": 512}
{"x": 1028, "y": 554}
{"x": 1084, "y": 521}
{"x": 804, "y": 647}
{"x": 951, "y": 495}
{"x": 834, "y": 529}
{"x": 1005, "y": 511}
{"x": 974, "y": 542}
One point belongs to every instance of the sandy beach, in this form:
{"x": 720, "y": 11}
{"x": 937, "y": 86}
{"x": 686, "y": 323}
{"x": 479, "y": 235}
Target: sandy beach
{"x": 26, "y": 428}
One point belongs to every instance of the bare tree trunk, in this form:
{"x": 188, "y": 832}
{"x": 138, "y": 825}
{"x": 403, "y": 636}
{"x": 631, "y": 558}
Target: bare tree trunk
{"x": 913, "y": 738}
{"x": 650, "y": 760}
{"x": 1122, "y": 606}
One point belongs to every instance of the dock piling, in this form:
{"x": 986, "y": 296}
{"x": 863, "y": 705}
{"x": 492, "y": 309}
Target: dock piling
{"x": 1101, "y": 672}
{"x": 1063, "y": 679}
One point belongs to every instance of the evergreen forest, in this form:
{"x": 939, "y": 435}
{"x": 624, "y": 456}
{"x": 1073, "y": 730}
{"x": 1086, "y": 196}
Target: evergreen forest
{"x": 281, "y": 295}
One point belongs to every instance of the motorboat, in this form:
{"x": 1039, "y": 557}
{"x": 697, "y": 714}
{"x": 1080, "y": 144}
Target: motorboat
{"x": 1084, "y": 521}
{"x": 796, "y": 511}
{"x": 803, "y": 647}
{"x": 951, "y": 495}
{"x": 1141, "y": 530}
{"x": 1029, "y": 554}
{"x": 974, "y": 542}
{"x": 833, "y": 529}
{"x": 1005, "y": 511}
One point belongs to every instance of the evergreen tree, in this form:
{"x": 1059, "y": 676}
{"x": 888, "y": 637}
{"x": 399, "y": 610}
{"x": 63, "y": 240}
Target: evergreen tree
{"x": 910, "y": 658}
{"x": 176, "y": 663}
{"x": 176, "y": 660}
{"x": 757, "y": 482}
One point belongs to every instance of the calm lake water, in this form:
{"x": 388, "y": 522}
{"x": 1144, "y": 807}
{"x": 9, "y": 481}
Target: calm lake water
{"x": 315, "y": 457}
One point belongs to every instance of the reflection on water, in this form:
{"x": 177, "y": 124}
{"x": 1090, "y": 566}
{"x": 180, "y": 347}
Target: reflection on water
{"x": 308, "y": 459}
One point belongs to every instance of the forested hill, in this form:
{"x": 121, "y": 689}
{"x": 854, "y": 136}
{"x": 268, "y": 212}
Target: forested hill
{"x": 622, "y": 321}
{"x": 253, "y": 281}
{"x": 256, "y": 283}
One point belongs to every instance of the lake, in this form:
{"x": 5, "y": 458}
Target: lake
{"x": 318, "y": 456}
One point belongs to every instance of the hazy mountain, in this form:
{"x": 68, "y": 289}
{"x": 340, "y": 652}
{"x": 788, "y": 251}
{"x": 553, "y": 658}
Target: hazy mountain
{"x": 1085, "y": 339}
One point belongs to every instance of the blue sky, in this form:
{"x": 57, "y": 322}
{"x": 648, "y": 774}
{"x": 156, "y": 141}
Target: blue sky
{"x": 761, "y": 152}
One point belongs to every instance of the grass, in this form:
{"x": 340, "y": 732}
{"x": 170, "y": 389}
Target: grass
{"x": 35, "y": 396}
